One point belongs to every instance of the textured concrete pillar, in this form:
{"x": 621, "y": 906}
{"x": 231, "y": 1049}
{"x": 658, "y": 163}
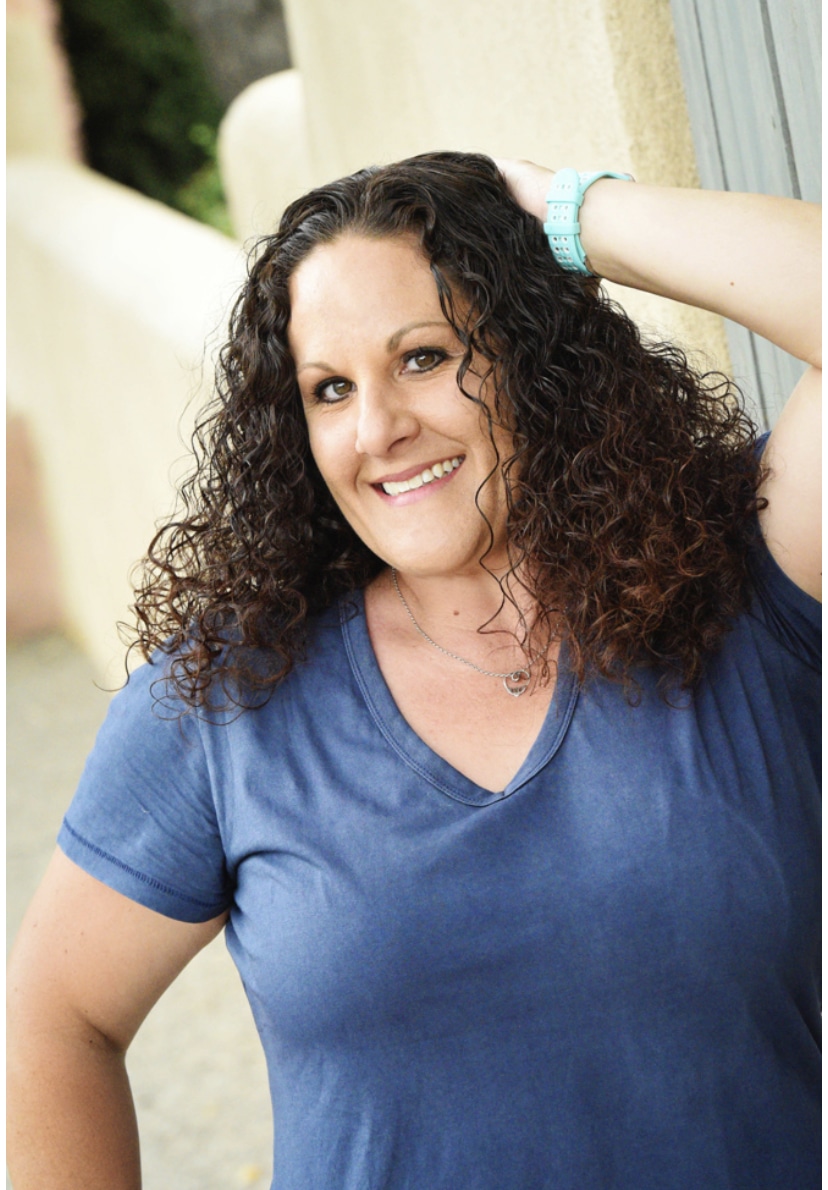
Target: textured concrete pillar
{"x": 263, "y": 153}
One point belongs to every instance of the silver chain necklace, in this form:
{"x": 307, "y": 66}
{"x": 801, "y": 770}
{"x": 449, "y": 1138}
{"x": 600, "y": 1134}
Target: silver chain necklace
{"x": 519, "y": 678}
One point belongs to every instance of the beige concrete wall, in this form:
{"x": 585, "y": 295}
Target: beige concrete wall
{"x": 113, "y": 298}
{"x": 263, "y": 153}
{"x": 526, "y": 78}
{"x": 575, "y": 82}
{"x": 42, "y": 118}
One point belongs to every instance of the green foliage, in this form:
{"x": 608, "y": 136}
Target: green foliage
{"x": 150, "y": 113}
{"x": 202, "y": 196}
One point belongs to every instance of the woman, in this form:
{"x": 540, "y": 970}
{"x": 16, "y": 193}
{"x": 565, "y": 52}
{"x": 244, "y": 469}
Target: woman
{"x": 483, "y": 712}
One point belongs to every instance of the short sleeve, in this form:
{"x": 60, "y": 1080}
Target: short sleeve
{"x": 143, "y": 819}
{"x": 790, "y": 614}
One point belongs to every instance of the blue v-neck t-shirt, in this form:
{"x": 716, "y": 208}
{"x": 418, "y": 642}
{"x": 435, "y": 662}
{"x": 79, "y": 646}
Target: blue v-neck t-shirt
{"x": 603, "y": 977}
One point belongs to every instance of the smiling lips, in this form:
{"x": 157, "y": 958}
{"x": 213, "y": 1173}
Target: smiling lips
{"x": 436, "y": 471}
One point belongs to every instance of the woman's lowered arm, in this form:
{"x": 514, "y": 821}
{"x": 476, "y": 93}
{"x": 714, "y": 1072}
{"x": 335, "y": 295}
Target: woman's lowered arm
{"x": 87, "y": 966}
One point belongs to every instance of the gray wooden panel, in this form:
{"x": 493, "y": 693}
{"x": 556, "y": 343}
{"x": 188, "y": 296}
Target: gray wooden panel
{"x": 795, "y": 27}
{"x": 751, "y": 70}
{"x": 697, "y": 85}
{"x": 747, "y": 103}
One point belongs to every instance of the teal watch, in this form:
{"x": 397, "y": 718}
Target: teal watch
{"x": 563, "y": 202}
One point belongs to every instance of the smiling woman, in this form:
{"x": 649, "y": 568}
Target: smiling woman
{"x": 482, "y": 709}
{"x": 595, "y": 442}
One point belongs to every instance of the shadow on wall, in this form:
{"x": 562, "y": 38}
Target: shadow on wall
{"x": 33, "y": 603}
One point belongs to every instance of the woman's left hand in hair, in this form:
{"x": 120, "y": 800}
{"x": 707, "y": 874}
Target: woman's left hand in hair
{"x": 528, "y": 184}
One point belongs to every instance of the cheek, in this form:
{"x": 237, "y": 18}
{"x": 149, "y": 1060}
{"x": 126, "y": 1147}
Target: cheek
{"x": 327, "y": 449}
{"x": 320, "y": 439}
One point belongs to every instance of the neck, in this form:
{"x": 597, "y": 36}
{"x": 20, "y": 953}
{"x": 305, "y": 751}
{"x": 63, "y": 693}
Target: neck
{"x": 465, "y": 602}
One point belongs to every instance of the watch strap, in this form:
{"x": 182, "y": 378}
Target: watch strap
{"x": 563, "y": 204}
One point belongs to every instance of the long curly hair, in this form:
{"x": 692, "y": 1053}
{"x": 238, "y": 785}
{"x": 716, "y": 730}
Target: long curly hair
{"x": 632, "y": 486}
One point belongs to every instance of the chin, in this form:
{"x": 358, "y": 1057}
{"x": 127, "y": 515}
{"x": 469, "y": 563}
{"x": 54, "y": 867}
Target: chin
{"x": 445, "y": 563}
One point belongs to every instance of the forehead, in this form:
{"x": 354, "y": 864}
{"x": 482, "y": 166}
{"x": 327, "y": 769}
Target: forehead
{"x": 361, "y": 282}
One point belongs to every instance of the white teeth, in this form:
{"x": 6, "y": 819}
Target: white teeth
{"x": 437, "y": 471}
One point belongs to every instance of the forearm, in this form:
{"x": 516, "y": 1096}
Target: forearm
{"x": 71, "y": 1120}
{"x": 751, "y": 258}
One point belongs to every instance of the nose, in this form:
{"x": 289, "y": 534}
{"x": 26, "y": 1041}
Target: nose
{"x": 384, "y": 420}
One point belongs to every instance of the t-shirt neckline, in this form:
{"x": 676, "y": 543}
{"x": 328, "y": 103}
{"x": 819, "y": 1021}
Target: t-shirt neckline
{"x": 413, "y": 750}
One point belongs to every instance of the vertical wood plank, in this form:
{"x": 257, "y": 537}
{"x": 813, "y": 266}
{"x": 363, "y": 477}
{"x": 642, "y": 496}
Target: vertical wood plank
{"x": 797, "y": 36}
{"x": 695, "y": 72}
{"x": 744, "y": 97}
{"x": 751, "y": 74}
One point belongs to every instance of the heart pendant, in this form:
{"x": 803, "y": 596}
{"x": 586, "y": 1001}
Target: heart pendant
{"x": 520, "y": 683}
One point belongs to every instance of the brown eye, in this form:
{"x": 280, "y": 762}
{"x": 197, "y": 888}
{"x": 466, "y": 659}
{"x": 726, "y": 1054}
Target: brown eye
{"x": 423, "y": 359}
{"x": 332, "y": 390}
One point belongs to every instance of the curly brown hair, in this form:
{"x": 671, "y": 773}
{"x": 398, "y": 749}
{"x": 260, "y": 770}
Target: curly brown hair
{"x": 632, "y": 488}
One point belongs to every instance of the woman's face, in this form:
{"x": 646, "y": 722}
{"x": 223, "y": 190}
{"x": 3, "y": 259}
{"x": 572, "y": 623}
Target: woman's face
{"x": 401, "y": 449}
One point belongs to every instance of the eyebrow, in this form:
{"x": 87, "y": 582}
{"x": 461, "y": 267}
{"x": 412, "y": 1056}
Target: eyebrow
{"x": 394, "y": 342}
{"x": 391, "y": 345}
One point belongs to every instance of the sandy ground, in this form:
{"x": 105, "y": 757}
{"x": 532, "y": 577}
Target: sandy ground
{"x": 197, "y": 1070}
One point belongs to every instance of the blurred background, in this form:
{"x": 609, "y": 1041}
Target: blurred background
{"x": 149, "y": 142}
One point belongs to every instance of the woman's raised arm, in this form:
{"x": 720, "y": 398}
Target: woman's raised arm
{"x": 87, "y": 966}
{"x": 749, "y": 257}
